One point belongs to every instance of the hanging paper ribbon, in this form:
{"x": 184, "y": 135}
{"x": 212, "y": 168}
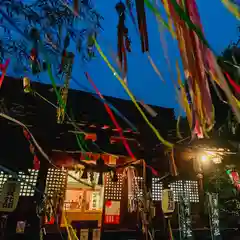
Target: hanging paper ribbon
{"x": 192, "y": 53}
{"x": 164, "y": 44}
{"x": 233, "y": 8}
{"x": 142, "y": 25}
{"x": 178, "y": 127}
{"x": 158, "y": 15}
{"x": 125, "y": 143}
{"x": 130, "y": 10}
{"x": 186, "y": 18}
{"x": 70, "y": 231}
{"x": 168, "y": 144}
{"x": 68, "y": 64}
{"x": 148, "y": 109}
{"x": 3, "y": 69}
{"x": 234, "y": 85}
{"x": 183, "y": 97}
{"x": 36, "y": 162}
{"x": 124, "y": 43}
{"x": 156, "y": 70}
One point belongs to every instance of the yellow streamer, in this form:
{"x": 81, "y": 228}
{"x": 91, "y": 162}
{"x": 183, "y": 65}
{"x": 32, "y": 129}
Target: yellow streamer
{"x": 170, "y": 230}
{"x": 232, "y": 8}
{"x": 170, "y": 22}
{"x": 178, "y": 128}
{"x": 71, "y": 233}
{"x": 165, "y": 49}
{"x": 166, "y": 143}
{"x": 155, "y": 67}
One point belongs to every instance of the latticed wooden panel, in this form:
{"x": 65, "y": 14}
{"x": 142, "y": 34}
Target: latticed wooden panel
{"x": 28, "y": 185}
{"x": 137, "y": 188}
{"x": 180, "y": 188}
{"x": 113, "y": 190}
{"x": 28, "y": 182}
{"x": 56, "y": 182}
{"x": 3, "y": 179}
{"x": 157, "y": 188}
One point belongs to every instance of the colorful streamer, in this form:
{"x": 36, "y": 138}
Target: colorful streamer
{"x": 166, "y": 143}
{"x": 52, "y": 78}
{"x": 233, "y": 8}
{"x": 186, "y": 18}
{"x": 125, "y": 143}
{"x": 234, "y": 85}
{"x": 36, "y": 162}
{"x": 158, "y": 15}
{"x": 183, "y": 98}
{"x": 3, "y": 69}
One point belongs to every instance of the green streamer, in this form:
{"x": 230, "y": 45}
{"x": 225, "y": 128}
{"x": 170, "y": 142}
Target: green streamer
{"x": 157, "y": 13}
{"x": 62, "y": 104}
{"x": 185, "y": 17}
{"x": 79, "y": 143}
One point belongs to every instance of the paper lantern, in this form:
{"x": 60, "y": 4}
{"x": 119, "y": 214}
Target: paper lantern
{"x": 9, "y": 196}
{"x": 26, "y": 84}
{"x": 168, "y": 204}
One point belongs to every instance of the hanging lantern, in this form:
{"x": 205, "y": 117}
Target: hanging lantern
{"x": 26, "y": 85}
{"x": 9, "y": 196}
{"x": 168, "y": 204}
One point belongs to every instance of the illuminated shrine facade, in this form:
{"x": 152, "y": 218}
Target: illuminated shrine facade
{"x": 83, "y": 203}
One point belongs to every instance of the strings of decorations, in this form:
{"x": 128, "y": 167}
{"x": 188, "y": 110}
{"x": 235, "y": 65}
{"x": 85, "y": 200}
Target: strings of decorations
{"x": 36, "y": 162}
{"x": 166, "y": 143}
{"x": 192, "y": 44}
{"x": 47, "y": 21}
{"x": 142, "y": 25}
{"x": 233, "y": 7}
{"x": 3, "y": 69}
{"x": 66, "y": 68}
{"x": 124, "y": 43}
{"x": 125, "y": 143}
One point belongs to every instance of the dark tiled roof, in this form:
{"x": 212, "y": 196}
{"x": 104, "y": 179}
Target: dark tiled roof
{"x": 89, "y": 114}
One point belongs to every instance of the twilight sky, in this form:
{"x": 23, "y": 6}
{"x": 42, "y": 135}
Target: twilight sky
{"x": 220, "y": 27}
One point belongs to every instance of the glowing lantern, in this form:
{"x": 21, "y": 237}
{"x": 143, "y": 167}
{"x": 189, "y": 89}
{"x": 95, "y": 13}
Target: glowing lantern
{"x": 26, "y": 85}
{"x": 168, "y": 204}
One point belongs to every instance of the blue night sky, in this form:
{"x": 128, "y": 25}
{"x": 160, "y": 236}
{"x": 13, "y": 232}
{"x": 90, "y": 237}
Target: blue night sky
{"x": 220, "y": 27}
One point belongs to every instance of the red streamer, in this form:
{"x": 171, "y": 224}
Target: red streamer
{"x": 36, "y": 162}
{"x": 3, "y": 69}
{"x": 234, "y": 85}
{"x": 109, "y": 111}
